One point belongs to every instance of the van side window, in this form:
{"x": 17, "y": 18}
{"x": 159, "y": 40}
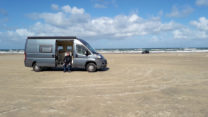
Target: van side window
{"x": 81, "y": 49}
{"x": 45, "y": 48}
{"x": 69, "y": 48}
{"x": 60, "y": 48}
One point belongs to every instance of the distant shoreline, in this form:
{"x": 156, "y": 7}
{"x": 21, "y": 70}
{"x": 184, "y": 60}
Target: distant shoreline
{"x": 123, "y": 53}
{"x": 127, "y": 50}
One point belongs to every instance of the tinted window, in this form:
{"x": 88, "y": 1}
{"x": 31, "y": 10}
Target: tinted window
{"x": 60, "y": 48}
{"x": 81, "y": 49}
{"x": 69, "y": 48}
{"x": 46, "y": 48}
{"x": 88, "y": 46}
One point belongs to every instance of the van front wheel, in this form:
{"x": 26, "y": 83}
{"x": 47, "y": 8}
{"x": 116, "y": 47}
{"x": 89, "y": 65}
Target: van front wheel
{"x": 91, "y": 67}
{"x": 36, "y": 68}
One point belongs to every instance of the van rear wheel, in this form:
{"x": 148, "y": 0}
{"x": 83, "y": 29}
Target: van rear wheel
{"x": 36, "y": 68}
{"x": 91, "y": 67}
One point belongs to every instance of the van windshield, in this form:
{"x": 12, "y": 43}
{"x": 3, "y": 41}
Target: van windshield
{"x": 88, "y": 46}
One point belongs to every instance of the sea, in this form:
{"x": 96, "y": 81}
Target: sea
{"x": 152, "y": 50}
{"x": 124, "y": 50}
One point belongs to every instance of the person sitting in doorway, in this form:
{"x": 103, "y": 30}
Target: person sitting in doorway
{"x": 67, "y": 61}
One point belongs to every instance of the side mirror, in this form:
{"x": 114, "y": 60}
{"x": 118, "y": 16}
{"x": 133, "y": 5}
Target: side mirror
{"x": 86, "y": 53}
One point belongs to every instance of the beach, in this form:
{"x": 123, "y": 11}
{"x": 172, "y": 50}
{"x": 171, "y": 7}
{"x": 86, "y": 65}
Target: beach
{"x": 134, "y": 85}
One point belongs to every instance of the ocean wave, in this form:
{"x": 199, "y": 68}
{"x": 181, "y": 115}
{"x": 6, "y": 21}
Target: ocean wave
{"x": 11, "y": 51}
{"x": 123, "y": 51}
{"x": 154, "y": 50}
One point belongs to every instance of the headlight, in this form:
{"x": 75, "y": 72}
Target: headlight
{"x": 98, "y": 56}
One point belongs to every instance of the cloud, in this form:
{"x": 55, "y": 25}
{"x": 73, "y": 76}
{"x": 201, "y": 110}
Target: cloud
{"x": 66, "y": 22}
{"x": 74, "y": 21}
{"x": 200, "y": 30}
{"x": 3, "y": 18}
{"x": 24, "y": 32}
{"x": 160, "y": 13}
{"x": 12, "y": 39}
{"x": 61, "y": 19}
{"x": 55, "y": 7}
{"x": 3, "y": 12}
{"x": 56, "y": 19}
{"x": 201, "y": 24}
{"x": 73, "y": 10}
{"x": 100, "y": 5}
{"x": 71, "y": 22}
{"x": 186, "y": 33}
{"x": 180, "y": 12}
{"x": 121, "y": 26}
{"x": 202, "y": 2}
{"x": 104, "y": 3}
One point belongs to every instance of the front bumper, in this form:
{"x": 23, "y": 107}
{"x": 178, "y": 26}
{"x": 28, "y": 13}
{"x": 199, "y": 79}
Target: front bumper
{"x": 101, "y": 63}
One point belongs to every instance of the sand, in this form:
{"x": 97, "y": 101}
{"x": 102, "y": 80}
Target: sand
{"x": 135, "y": 85}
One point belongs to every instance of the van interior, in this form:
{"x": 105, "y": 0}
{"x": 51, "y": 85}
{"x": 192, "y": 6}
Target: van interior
{"x": 63, "y": 46}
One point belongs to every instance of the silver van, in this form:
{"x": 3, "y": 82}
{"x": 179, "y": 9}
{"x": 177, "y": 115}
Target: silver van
{"x": 42, "y": 52}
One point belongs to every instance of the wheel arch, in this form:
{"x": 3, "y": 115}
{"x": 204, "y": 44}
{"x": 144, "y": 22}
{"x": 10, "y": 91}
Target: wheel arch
{"x": 34, "y": 62}
{"x": 90, "y": 62}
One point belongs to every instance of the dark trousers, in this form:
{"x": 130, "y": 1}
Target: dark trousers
{"x": 67, "y": 66}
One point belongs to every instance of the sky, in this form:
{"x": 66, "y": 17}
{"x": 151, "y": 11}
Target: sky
{"x": 107, "y": 23}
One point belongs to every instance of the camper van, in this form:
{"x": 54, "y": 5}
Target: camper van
{"x": 44, "y": 52}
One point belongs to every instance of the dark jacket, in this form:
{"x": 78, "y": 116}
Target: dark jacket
{"x": 67, "y": 59}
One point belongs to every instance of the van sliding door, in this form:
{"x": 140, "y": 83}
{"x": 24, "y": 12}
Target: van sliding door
{"x": 46, "y": 56}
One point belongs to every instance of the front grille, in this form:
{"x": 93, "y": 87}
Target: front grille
{"x": 105, "y": 62}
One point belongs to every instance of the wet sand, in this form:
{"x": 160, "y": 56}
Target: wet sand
{"x": 135, "y": 85}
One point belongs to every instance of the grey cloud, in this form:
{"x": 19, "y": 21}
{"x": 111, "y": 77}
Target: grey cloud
{"x": 177, "y": 12}
{"x": 104, "y": 3}
{"x": 3, "y": 12}
{"x": 202, "y": 2}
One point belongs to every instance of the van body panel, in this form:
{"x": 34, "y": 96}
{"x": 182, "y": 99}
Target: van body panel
{"x": 41, "y": 52}
{"x": 28, "y": 62}
{"x": 79, "y": 61}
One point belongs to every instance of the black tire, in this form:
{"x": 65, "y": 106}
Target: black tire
{"x": 91, "y": 67}
{"x": 36, "y": 68}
